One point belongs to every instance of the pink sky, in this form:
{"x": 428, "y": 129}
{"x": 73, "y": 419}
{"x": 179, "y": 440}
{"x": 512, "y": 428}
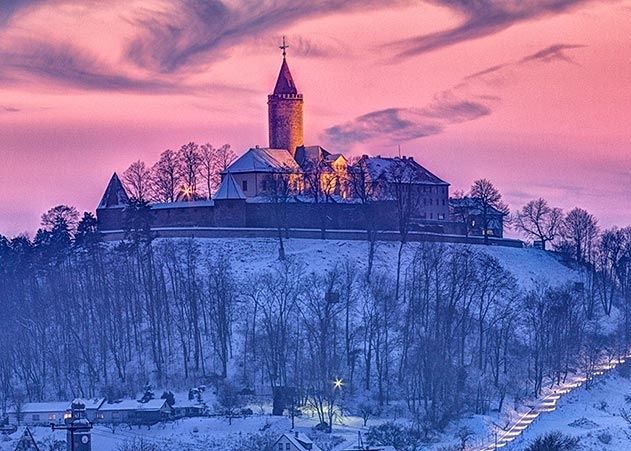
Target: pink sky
{"x": 532, "y": 94}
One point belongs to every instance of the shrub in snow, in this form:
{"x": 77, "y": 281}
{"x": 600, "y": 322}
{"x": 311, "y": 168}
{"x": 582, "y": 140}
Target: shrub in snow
{"x": 258, "y": 442}
{"x": 464, "y": 434}
{"x": 604, "y": 437}
{"x": 393, "y": 434}
{"x": 554, "y": 441}
{"x": 138, "y": 445}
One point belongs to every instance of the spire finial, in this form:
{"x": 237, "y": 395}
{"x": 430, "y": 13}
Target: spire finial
{"x": 284, "y": 48}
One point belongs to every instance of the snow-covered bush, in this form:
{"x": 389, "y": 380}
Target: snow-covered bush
{"x": 554, "y": 441}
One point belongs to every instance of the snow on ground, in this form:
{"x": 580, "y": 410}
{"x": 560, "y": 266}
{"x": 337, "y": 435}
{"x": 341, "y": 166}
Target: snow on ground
{"x": 251, "y": 256}
{"x": 593, "y": 414}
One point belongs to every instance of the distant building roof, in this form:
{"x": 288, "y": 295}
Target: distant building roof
{"x": 27, "y": 442}
{"x": 229, "y": 189}
{"x": 261, "y": 159}
{"x": 406, "y": 169}
{"x": 310, "y": 153}
{"x": 132, "y": 404}
{"x": 115, "y": 194}
{"x": 56, "y": 406}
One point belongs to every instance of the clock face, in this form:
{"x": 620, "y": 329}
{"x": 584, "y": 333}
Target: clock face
{"x": 85, "y": 439}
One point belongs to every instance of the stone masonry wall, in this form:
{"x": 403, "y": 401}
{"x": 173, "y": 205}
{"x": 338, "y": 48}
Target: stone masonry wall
{"x": 285, "y": 122}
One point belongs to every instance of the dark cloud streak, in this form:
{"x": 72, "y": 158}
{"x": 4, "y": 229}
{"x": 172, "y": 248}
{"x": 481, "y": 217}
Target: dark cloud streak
{"x": 405, "y": 124}
{"x": 483, "y": 18}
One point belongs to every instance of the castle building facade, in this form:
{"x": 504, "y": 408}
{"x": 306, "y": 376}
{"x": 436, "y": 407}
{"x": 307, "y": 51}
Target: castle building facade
{"x": 324, "y": 190}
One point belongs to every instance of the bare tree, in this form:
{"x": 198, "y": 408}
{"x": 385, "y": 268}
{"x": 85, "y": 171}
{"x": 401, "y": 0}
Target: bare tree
{"x": 489, "y": 198}
{"x": 402, "y": 185}
{"x": 362, "y": 188}
{"x": 539, "y": 221}
{"x": 61, "y": 216}
{"x": 137, "y": 179}
{"x": 190, "y": 163}
{"x": 213, "y": 161}
{"x": 279, "y": 191}
{"x": 580, "y": 229}
{"x": 166, "y": 176}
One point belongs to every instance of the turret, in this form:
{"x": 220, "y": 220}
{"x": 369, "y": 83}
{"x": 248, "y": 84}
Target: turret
{"x": 285, "y": 111}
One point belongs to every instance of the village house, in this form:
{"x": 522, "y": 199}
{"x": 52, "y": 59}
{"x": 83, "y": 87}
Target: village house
{"x": 134, "y": 412}
{"x": 46, "y": 413}
{"x": 294, "y": 441}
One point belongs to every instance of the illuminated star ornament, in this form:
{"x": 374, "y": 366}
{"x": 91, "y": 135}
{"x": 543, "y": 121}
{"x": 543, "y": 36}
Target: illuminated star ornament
{"x": 338, "y": 383}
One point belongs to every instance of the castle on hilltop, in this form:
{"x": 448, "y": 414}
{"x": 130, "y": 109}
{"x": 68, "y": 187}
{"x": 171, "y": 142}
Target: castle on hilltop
{"x": 290, "y": 185}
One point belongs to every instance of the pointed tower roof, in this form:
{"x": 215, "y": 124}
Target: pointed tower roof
{"x": 229, "y": 189}
{"x": 285, "y": 83}
{"x": 115, "y": 194}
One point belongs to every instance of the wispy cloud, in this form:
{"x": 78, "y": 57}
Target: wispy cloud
{"x": 452, "y": 106}
{"x": 484, "y": 18}
{"x": 557, "y": 52}
{"x": 197, "y": 31}
{"x": 67, "y": 65}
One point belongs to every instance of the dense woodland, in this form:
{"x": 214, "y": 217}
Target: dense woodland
{"x": 446, "y": 332}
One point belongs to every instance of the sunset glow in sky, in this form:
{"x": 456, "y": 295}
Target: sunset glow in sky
{"x": 532, "y": 94}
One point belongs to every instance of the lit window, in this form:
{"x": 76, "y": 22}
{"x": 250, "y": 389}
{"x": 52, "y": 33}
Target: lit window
{"x": 52, "y": 416}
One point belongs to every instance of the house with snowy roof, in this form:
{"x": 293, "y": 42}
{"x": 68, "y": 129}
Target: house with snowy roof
{"x": 46, "y": 413}
{"x": 385, "y": 174}
{"x": 131, "y": 411}
{"x": 294, "y": 441}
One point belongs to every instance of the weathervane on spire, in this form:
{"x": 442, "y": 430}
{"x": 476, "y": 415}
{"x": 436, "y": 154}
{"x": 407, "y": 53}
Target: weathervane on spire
{"x": 284, "y": 47}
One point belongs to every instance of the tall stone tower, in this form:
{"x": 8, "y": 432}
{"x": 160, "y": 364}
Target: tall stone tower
{"x": 284, "y": 108}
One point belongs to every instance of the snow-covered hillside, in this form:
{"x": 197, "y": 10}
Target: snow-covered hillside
{"x": 250, "y": 256}
{"x": 595, "y": 414}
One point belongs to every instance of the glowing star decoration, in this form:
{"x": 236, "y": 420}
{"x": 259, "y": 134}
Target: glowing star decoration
{"x": 187, "y": 192}
{"x": 338, "y": 383}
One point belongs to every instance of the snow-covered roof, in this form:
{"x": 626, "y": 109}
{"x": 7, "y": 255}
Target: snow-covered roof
{"x": 300, "y": 441}
{"x": 229, "y": 189}
{"x": 42, "y": 407}
{"x": 132, "y": 404}
{"x": 115, "y": 194}
{"x": 261, "y": 159}
{"x": 56, "y": 406}
{"x": 405, "y": 169}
